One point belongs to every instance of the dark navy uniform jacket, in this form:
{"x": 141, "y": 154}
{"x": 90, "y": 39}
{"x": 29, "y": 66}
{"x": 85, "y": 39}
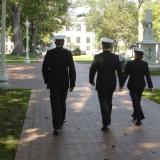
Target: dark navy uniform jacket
{"x": 105, "y": 64}
{"x": 58, "y": 69}
{"x": 137, "y": 70}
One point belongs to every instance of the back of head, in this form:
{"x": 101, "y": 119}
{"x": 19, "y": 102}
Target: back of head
{"x": 107, "y": 43}
{"x": 138, "y": 53}
{"x": 59, "y": 40}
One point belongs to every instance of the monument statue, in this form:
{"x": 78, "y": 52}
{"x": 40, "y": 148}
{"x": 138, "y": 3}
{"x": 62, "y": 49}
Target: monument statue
{"x": 149, "y": 45}
{"x": 148, "y": 32}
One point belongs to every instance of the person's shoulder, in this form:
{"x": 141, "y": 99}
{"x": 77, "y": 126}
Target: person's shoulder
{"x": 130, "y": 62}
{"x": 144, "y": 62}
{"x": 114, "y": 56}
{"x": 98, "y": 55}
{"x": 51, "y": 50}
{"x": 66, "y": 51}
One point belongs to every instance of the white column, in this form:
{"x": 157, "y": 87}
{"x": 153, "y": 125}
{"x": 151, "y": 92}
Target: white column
{"x": 27, "y": 60}
{"x": 3, "y": 78}
{"x": 158, "y": 53}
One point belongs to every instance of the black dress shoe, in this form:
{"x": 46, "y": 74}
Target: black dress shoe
{"x": 55, "y": 133}
{"x": 138, "y": 123}
{"x": 104, "y": 128}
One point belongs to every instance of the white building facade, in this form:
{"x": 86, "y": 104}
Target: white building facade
{"x": 77, "y": 36}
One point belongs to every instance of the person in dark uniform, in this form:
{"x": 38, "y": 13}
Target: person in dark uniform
{"x": 137, "y": 70}
{"x": 59, "y": 75}
{"x": 105, "y": 65}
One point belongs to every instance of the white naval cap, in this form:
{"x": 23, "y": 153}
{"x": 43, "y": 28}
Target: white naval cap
{"x": 139, "y": 50}
{"x": 59, "y": 37}
{"x": 106, "y": 40}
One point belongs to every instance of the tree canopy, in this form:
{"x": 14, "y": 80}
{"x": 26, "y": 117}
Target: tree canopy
{"x": 45, "y": 17}
{"x": 114, "y": 19}
{"x": 118, "y": 19}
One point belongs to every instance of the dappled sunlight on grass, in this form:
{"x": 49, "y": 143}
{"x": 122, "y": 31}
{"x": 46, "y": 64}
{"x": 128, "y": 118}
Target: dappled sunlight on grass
{"x": 13, "y": 105}
{"x": 9, "y": 142}
{"x": 154, "y": 95}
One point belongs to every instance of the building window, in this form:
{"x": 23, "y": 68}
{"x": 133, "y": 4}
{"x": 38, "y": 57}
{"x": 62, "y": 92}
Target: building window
{"x": 78, "y": 27}
{"x": 88, "y": 40}
{"x": 68, "y": 39}
{"x": 87, "y": 47}
{"x": 78, "y": 40}
{"x": 67, "y": 46}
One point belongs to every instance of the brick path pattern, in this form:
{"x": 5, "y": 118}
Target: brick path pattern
{"x": 81, "y": 137}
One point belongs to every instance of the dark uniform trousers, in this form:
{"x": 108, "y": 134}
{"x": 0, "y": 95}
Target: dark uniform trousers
{"x": 59, "y": 74}
{"x": 58, "y": 106}
{"x": 105, "y": 99}
{"x": 136, "y": 100}
{"x": 105, "y": 65}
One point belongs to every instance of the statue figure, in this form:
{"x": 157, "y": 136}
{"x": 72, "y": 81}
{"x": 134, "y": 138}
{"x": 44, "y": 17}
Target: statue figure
{"x": 148, "y": 33}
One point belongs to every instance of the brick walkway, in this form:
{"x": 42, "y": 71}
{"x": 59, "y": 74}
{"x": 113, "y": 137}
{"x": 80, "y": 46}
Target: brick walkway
{"x": 81, "y": 137}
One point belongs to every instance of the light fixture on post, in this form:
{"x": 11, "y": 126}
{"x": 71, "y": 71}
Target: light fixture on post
{"x": 27, "y": 60}
{"x": 3, "y": 78}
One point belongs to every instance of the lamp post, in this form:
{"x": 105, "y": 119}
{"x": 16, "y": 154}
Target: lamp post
{"x": 3, "y": 78}
{"x": 27, "y": 60}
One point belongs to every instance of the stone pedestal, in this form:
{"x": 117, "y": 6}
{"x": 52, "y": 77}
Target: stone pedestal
{"x": 152, "y": 53}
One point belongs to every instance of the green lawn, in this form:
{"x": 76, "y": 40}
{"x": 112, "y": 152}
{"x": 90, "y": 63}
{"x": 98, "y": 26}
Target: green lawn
{"x": 83, "y": 58}
{"x": 154, "y": 96}
{"x": 13, "y": 105}
{"x": 14, "y": 59}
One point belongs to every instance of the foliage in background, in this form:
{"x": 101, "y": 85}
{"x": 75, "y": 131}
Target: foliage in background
{"x": 156, "y": 20}
{"x": 118, "y": 19}
{"x": 13, "y": 105}
{"x": 45, "y": 16}
{"x": 114, "y": 19}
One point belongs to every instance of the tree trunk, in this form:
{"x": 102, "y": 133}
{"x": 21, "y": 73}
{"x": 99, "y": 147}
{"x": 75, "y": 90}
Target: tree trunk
{"x": 33, "y": 36}
{"x": 17, "y": 37}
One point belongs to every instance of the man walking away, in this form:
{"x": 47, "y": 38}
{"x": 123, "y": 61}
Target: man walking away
{"x": 105, "y": 65}
{"x": 59, "y": 75}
